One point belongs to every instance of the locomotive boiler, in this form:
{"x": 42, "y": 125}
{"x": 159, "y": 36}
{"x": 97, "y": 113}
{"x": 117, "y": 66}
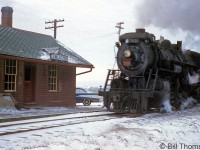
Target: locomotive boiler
{"x": 151, "y": 72}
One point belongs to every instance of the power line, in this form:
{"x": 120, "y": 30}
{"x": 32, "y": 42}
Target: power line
{"x": 93, "y": 37}
{"x": 119, "y": 26}
{"x": 55, "y": 26}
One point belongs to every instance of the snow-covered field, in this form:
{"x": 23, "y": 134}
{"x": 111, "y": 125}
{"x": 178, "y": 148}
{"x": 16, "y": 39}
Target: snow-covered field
{"x": 177, "y": 130}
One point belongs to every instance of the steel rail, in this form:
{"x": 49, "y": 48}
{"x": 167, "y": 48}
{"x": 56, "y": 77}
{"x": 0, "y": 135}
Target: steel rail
{"x": 23, "y": 123}
{"x": 28, "y": 129}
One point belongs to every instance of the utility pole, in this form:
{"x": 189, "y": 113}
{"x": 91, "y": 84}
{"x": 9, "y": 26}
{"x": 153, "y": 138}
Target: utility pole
{"x": 119, "y": 26}
{"x": 55, "y": 26}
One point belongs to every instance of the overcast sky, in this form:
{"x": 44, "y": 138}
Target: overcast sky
{"x": 89, "y": 26}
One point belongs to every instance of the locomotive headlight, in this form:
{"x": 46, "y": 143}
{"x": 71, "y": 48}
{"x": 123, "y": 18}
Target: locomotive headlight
{"x": 127, "y": 53}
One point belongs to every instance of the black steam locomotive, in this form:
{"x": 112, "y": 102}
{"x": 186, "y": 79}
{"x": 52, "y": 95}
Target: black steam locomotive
{"x": 151, "y": 72}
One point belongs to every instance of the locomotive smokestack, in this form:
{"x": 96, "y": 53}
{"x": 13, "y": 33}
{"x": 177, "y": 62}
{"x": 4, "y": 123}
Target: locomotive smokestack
{"x": 179, "y": 45}
{"x": 140, "y": 30}
{"x": 6, "y": 19}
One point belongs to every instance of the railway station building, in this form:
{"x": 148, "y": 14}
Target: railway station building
{"x": 36, "y": 69}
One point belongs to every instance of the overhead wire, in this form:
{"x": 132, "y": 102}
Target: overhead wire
{"x": 94, "y": 37}
{"x": 115, "y": 57}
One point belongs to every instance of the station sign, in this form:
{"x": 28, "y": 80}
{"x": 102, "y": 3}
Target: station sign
{"x": 58, "y": 57}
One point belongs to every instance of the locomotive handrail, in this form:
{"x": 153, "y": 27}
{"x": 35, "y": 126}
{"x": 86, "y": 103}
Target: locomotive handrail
{"x": 149, "y": 79}
{"x": 155, "y": 79}
{"x": 180, "y": 62}
{"x": 122, "y": 89}
{"x": 167, "y": 71}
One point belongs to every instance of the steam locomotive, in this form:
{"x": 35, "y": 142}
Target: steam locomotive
{"x": 151, "y": 72}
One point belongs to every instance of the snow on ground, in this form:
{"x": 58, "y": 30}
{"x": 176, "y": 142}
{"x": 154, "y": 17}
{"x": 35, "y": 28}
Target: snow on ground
{"x": 14, "y": 113}
{"x": 177, "y": 130}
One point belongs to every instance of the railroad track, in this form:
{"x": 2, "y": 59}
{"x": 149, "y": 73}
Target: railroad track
{"x": 45, "y": 123}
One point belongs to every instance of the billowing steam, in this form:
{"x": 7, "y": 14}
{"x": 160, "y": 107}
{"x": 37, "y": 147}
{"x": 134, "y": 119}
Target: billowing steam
{"x": 190, "y": 101}
{"x": 166, "y": 106}
{"x": 192, "y": 41}
{"x": 185, "y": 103}
{"x": 174, "y": 15}
{"x": 193, "y": 78}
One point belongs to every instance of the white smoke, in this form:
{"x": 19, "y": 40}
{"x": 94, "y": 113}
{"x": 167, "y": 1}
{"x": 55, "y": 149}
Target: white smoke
{"x": 174, "y": 15}
{"x": 190, "y": 101}
{"x": 193, "y": 78}
{"x": 166, "y": 106}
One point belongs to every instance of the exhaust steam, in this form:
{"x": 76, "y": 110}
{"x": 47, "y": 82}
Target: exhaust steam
{"x": 176, "y": 16}
{"x": 166, "y": 106}
{"x": 193, "y": 79}
{"x": 187, "y": 103}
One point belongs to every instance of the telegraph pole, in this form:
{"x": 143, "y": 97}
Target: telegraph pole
{"x": 119, "y": 26}
{"x": 55, "y": 26}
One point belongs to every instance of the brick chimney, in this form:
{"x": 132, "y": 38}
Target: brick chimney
{"x": 6, "y": 19}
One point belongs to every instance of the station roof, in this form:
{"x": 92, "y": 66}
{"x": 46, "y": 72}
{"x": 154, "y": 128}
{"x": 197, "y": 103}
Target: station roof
{"x": 26, "y": 44}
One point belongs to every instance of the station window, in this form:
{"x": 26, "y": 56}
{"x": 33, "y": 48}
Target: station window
{"x": 53, "y": 74}
{"x": 10, "y": 75}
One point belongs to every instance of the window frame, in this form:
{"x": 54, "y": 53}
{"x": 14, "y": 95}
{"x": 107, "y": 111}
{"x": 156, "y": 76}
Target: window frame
{"x": 53, "y": 78}
{"x": 11, "y": 68}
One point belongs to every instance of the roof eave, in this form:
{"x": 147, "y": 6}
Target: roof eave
{"x": 46, "y": 61}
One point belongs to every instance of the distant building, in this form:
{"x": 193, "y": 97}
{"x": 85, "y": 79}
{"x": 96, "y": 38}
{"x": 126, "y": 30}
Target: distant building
{"x": 35, "y": 68}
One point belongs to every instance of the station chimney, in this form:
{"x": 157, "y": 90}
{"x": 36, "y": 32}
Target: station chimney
{"x": 6, "y": 19}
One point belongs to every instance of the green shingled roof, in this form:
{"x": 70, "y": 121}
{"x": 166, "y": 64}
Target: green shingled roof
{"x": 27, "y": 44}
